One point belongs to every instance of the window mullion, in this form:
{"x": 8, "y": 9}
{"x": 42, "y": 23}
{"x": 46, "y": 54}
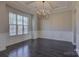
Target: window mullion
{"x": 23, "y": 24}
{"x": 16, "y": 26}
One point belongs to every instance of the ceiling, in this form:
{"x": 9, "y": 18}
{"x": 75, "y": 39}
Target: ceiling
{"x": 54, "y": 4}
{"x": 32, "y": 5}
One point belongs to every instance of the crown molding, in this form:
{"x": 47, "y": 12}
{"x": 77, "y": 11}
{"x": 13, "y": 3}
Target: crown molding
{"x": 62, "y": 9}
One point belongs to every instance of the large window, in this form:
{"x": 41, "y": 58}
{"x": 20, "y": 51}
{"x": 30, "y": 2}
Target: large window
{"x": 18, "y": 24}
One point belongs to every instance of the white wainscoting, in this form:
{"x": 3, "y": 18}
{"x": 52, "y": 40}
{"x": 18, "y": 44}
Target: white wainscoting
{"x": 3, "y": 38}
{"x": 57, "y": 35}
{"x": 17, "y": 39}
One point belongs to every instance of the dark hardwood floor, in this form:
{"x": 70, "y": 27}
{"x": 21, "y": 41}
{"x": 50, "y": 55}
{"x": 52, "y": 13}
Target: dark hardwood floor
{"x": 40, "y": 48}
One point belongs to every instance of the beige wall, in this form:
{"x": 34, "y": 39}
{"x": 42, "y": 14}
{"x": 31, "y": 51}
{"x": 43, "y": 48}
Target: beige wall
{"x": 3, "y": 21}
{"x": 57, "y": 26}
{"x": 58, "y": 21}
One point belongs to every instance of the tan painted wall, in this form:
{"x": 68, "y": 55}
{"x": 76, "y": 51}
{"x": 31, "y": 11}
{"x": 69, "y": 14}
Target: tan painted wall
{"x": 58, "y": 21}
{"x": 58, "y": 26}
{"x": 3, "y": 21}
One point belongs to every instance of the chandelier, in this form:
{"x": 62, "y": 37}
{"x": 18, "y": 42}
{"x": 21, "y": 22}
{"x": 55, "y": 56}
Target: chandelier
{"x": 44, "y": 10}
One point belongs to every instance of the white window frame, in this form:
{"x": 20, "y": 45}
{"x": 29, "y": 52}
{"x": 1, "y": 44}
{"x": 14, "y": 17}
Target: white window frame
{"x": 19, "y": 25}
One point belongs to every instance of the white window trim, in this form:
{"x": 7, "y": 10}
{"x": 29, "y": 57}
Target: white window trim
{"x": 17, "y": 25}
